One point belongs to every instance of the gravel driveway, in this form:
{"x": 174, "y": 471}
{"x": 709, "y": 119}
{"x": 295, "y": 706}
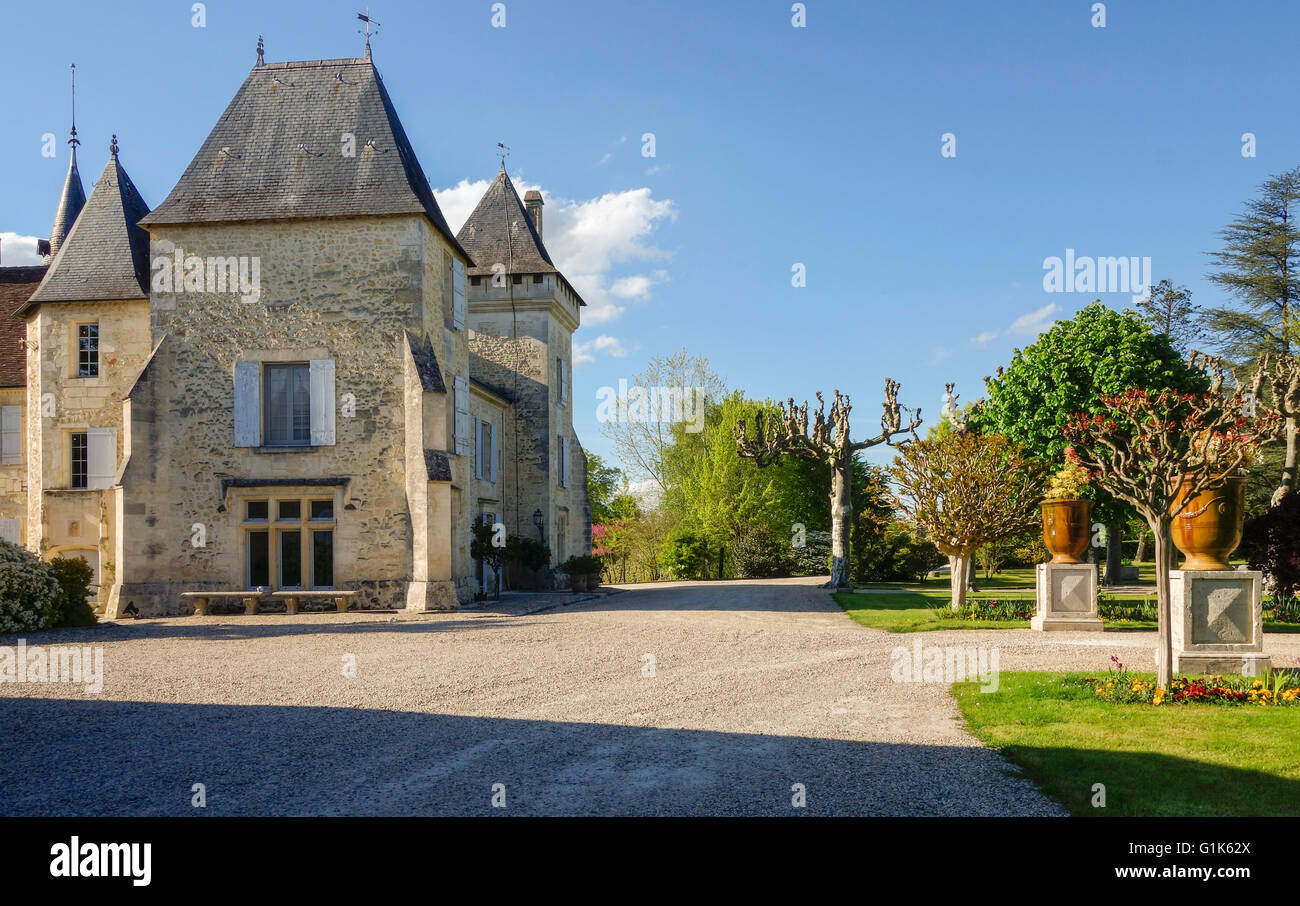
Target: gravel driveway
{"x": 678, "y": 698}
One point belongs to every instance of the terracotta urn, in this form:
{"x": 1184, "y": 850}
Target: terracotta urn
{"x": 1208, "y": 529}
{"x": 1067, "y": 528}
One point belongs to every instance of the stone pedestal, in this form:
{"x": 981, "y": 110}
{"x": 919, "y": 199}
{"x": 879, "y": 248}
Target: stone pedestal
{"x": 1067, "y": 598}
{"x": 1217, "y": 622}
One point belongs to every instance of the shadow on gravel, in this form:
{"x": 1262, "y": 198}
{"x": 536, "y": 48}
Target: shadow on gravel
{"x": 93, "y": 758}
{"x": 241, "y": 627}
{"x": 726, "y": 594}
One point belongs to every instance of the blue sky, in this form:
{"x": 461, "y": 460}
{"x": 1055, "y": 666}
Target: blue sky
{"x": 774, "y": 145}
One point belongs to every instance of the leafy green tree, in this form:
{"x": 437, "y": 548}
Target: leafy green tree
{"x": 607, "y": 492}
{"x": 1068, "y": 370}
{"x": 1259, "y": 266}
{"x": 1169, "y": 310}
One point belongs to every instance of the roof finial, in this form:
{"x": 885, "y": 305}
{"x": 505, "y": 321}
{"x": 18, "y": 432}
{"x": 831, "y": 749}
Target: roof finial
{"x": 503, "y": 150}
{"x": 260, "y": 49}
{"x": 365, "y": 17}
{"x": 72, "y": 136}
{"x": 112, "y": 146}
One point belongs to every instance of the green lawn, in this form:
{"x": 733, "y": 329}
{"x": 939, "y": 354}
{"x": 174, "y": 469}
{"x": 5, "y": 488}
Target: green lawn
{"x": 922, "y": 611}
{"x": 1171, "y": 760}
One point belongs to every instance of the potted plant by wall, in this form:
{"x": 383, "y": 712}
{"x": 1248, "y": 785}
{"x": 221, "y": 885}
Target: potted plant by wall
{"x": 1067, "y": 521}
{"x": 1209, "y": 526}
{"x": 584, "y": 572}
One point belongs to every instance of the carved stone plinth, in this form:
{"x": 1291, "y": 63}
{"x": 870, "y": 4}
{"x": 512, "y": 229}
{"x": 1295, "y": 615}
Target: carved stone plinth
{"x": 1067, "y": 598}
{"x": 1217, "y": 621}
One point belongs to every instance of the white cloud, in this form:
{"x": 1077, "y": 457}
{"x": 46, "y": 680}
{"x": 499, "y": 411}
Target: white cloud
{"x": 16, "y": 250}
{"x": 604, "y": 159}
{"x": 1030, "y": 324}
{"x": 588, "y": 240}
{"x": 585, "y": 353}
{"x": 940, "y": 354}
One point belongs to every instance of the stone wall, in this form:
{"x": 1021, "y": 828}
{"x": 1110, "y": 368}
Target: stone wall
{"x": 347, "y": 290}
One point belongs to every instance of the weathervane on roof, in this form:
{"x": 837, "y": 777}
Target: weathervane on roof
{"x": 260, "y": 50}
{"x": 503, "y": 150}
{"x": 72, "y": 136}
{"x": 365, "y": 17}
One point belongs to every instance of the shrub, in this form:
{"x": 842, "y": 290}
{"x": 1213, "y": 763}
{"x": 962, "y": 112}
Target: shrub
{"x": 759, "y": 554}
{"x": 583, "y": 565}
{"x": 1271, "y": 544}
{"x": 893, "y": 555}
{"x": 529, "y": 552}
{"x": 814, "y": 557}
{"x": 30, "y": 596}
{"x": 685, "y": 555}
{"x": 73, "y": 575}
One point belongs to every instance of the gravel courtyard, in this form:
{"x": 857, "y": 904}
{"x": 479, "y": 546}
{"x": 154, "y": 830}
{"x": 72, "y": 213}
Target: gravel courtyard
{"x": 678, "y": 698}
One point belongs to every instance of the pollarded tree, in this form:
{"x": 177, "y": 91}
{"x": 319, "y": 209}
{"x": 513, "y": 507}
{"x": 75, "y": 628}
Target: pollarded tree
{"x": 826, "y": 440}
{"x": 1282, "y": 377}
{"x": 1070, "y": 369}
{"x": 965, "y": 490}
{"x": 1145, "y": 447}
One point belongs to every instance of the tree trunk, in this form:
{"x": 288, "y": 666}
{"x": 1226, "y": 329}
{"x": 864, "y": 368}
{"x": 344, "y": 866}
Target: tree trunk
{"x": 1114, "y": 552}
{"x": 969, "y": 576}
{"x": 841, "y": 517}
{"x": 1287, "y": 484}
{"x": 958, "y": 577}
{"x": 1165, "y": 642}
{"x": 1141, "y": 554}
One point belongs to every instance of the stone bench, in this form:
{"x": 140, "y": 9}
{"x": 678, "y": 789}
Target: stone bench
{"x": 293, "y": 598}
{"x": 203, "y": 600}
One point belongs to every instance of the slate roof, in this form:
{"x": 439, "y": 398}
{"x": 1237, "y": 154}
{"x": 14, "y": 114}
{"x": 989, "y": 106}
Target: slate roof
{"x": 106, "y": 256}
{"x": 499, "y": 231}
{"x": 437, "y": 465}
{"x": 16, "y": 286}
{"x": 426, "y": 364}
{"x": 71, "y": 202}
{"x": 488, "y": 240}
{"x": 276, "y": 152}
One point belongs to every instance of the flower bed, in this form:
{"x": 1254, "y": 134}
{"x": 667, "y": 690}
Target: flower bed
{"x": 1122, "y": 687}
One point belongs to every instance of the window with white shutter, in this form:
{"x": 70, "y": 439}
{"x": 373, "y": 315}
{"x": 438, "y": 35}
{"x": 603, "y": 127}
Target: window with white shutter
{"x": 11, "y": 435}
{"x": 493, "y": 456}
{"x": 460, "y": 387}
{"x": 480, "y": 471}
{"x": 457, "y": 293}
{"x": 10, "y": 531}
{"x": 322, "y": 402}
{"x": 562, "y": 380}
{"x": 101, "y": 463}
{"x": 564, "y": 460}
{"x": 248, "y": 404}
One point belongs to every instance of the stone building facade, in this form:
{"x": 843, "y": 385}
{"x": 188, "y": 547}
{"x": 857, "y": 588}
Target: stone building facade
{"x": 300, "y": 380}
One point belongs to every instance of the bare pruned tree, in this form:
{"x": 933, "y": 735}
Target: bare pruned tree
{"x": 826, "y": 440}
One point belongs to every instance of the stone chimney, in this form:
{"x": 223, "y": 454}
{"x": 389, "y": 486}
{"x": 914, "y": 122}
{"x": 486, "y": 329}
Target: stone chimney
{"x": 533, "y": 203}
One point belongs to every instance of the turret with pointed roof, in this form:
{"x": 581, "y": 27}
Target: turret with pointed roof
{"x": 71, "y": 201}
{"x": 105, "y": 256}
{"x": 500, "y": 231}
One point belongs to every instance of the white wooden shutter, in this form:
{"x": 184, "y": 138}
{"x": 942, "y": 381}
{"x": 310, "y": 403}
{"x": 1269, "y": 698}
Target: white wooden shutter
{"x": 480, "y": 469}
{"x": 492, "y": 452}
{"x": 9, "y": 531}
{"x": 248, "y": 404}
{"x": 457, "y": 293}
{"x": 322, "y": 402}
{"x": 563, "y": 375}
{"x": 101, "y": 453}
{"x": 11, "y": 435}
{"x": 460, "y": 387}
{"x": 564, "y": 462}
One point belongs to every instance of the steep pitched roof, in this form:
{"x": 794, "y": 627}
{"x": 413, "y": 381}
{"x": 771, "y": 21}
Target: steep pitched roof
{"x": 71, "y": 202}
{"x": 276, "y": 152}
{"x": 501, "y": 232}
{"x": 106, "y": 255}
{"x": 16, "y": 286}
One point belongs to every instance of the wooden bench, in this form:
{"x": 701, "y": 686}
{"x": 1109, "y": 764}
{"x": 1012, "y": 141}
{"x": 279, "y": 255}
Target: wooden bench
{"x": 293, "y": 598}
{"x": 203, "y": 600}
